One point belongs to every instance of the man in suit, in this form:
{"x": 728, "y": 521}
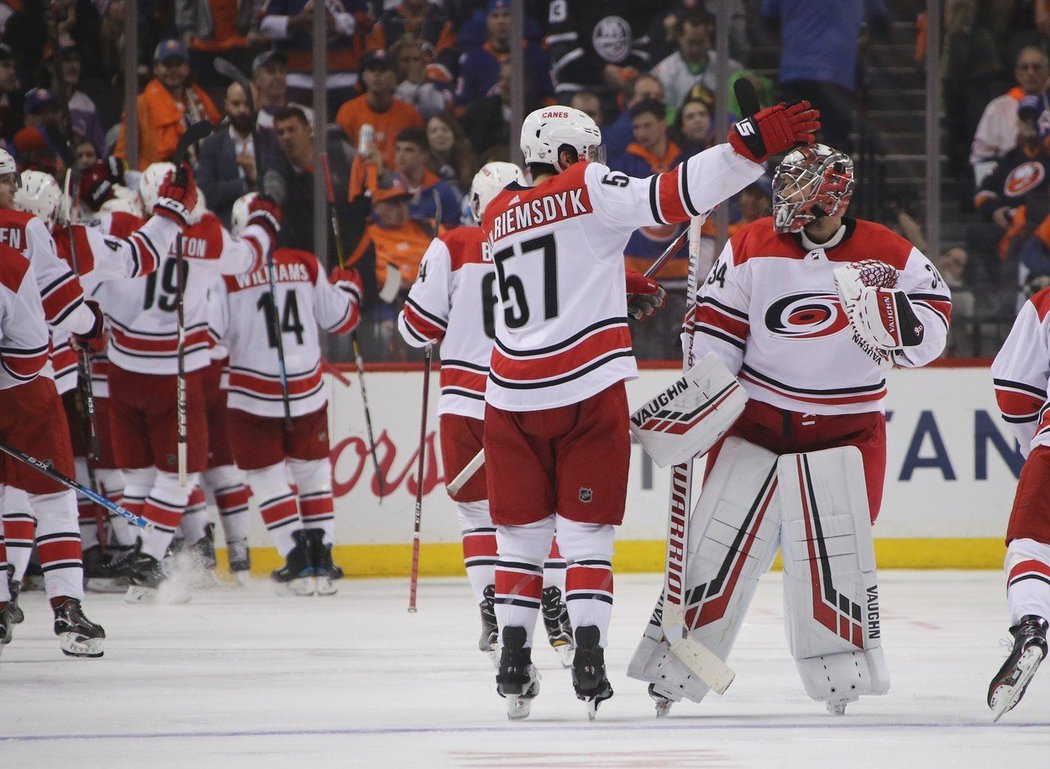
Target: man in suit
{"x": 232, "y": 162}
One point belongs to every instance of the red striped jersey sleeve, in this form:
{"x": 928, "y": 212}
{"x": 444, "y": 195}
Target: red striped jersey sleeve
{"x": 424, "y": 319}
{"x": 24, "y": 339}
{"x": 1021, "y": 372}
{"x": 721, "y": 323}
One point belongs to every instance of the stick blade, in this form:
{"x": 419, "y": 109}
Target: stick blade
{"x": 195, "y": 133}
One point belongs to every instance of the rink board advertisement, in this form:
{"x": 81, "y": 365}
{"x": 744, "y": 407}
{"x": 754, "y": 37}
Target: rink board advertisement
{"x": 951, "y": 471}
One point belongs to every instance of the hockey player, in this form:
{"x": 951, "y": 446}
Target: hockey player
{"x": 556, "y": 423}
{"x": 453, "y": 303}
{"x": 1020, "y": 372}
{"x": 265, "y": 447}
{"x": 798, "y": 310}
{"x": 143, "y": 355}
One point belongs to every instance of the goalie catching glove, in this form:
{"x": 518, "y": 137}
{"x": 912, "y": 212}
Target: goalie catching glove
{"x": 644, "y": 295}
{"x": 881, "y": 315}
{"x": 774, "y": 130}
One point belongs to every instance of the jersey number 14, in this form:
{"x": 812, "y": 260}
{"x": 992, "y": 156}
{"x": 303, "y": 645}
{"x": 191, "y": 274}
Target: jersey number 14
{"x": 290, "y": 323}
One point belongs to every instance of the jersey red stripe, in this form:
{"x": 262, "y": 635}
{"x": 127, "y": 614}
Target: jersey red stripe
{"x": 671, "y": 205}
{"x": 585, "y": 351}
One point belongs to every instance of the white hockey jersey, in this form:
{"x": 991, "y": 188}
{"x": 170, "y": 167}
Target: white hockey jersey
{"x": 23, "y": 331}
{"x": 1021, "y": 374}
{"x": 453, "y": 302}
{"x": 142, "y": 313}
{"x": 561, "y": 329}
{"x": 770, "y": 310}
{"x": 305, "y": 299}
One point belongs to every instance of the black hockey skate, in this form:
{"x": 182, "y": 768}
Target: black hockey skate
{"x": 517, "y": 678}
{"x": 145, "y": 574}
{"x": 6, "y": 626}
{"x": 105, "y": 572}
{"x": 559, "y": 629}
{"x": 296, "y": 577}
{"x": 77, "y": 635}
{"x": 489, "y": 639}
{"x": 14, "y": 611}
{"x": 588, "y": 670}
{"x": 239, "y": 558}
{"x": 326, "y": 571}
{"x": 1009, "y": 684}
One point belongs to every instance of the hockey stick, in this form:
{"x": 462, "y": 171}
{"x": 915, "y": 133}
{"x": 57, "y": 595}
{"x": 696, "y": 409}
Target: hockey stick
{"x": 475, "y": 464}
{"x": 359, "y": 361}
{"x": 98, "y": 499}
{"x": 414, "y": 579}
{"x": 191, "y": 136}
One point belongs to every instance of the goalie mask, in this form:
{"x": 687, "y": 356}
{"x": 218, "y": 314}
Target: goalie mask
{"x": 809, "y": 183}
{"x": 545, "y": 131}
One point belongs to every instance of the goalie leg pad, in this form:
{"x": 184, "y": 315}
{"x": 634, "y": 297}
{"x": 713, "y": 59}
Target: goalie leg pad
{"x": 831, "y": 594}
{"x": 734, "y": 533}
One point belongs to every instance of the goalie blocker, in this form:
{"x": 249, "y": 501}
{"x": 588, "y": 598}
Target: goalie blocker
{"x": 814, "y": 507}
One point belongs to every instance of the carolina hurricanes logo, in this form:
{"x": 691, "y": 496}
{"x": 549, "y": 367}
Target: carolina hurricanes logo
{"x": 806, "y": 315}
{"x": 1023, "y": 179}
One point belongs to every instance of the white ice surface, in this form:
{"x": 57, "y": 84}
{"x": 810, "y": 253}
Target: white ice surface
{"x": 242, "y": 678}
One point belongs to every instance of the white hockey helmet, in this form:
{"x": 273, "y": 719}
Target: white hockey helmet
{"x": 8, "y": 165}
{"x": 239, "y": 217}
{"x": 546, "y": 130}
{"x": 150, "y": 181}
{"x": 38, "y": 194}
{"x": 488, "y": 182}
{"x": 125, "y": 200}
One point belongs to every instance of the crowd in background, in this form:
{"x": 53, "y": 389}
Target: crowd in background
{"x": 418, "y": 98}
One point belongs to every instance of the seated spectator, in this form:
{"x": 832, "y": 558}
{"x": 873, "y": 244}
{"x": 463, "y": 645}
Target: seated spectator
{"x": 695, "y": 61}
{"x": 378, "y": 108}
{"x": 40, "y": 145}
{"x": 694, "y": 127}
{"x": 432, "y": 198}
{"x": 414, "y": 86}
{"x": 270, "y": 78}
{"x": 589, "y": 104}
{"x": 84, "y": 152}
{"x": 617, "y": 135}
{"x": 289, "y": 23}
{"x": 427, "y": 24}
{"x": 996, "y": 132}
{"x": 663, "y": 36}
{"x": 290, "y": 181}
{"x": 487, "y": 120}
{"x": 167, "y": 106}
{"x": 83, "y": 115}
{"x": 211, "y": 28}
{"x": 10, "y": 95}
{"x": 451, "y": 153}
{"x": 755, "y": 201}
{"x": 479, "y": 67}
{"x": 232, "y": 162}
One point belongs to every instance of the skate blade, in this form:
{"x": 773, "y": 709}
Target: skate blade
{"x": 106, "y": 584}
{"x": 75, "y": 646}
{"x": 1007, "y": 695}
{"x": 326, "y": 585}
{"x": 565, "y": 652}
{"x": 302, "y": 586}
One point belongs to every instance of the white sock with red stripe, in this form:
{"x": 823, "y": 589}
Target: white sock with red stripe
{"x": 519, "y": 574}
{"x": 226, "y": 484}
{"x": 164, "y": 506}
{"x": 479, "y": 545}
{"x": 111, "y": 483}
{"x": 554, "y": 568}
{"x": 313, "y": 479}
{"x": 1027, "y": 579}
{"x": 137, "y": 483}
{"x": 19, "y": 530}
{"x": 58, "y": 543}
{"x": 277, "y": 504}
{"x": 193, "y": 525}
{"x": 588, "y": 548}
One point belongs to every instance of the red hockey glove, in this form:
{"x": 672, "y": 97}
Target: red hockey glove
{"x": 644, "y": 295}
{"x": 91, "y": 339}
{"x": 177, "y": 196}
{"x": 774, "y": 130}
{"x": 265, "y": 212}
{"x": 349, "y": 277}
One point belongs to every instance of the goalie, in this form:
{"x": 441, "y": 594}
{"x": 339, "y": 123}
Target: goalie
{"x": 808, "y": 309}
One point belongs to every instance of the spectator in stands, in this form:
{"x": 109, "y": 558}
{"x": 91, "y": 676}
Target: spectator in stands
{"x": 232, "y": 162}
{"x": 210, "y": 28}
{"x": 84, "y": 152}
{"x": 432, "y": 198}
{"x": 414, "y": 85}
{"x": 289, "y": 23}
{"x": 598, "y": 46}
{"x": 453, "y": 158}
{"x": 378, "y": 108}
{"x": 663, "y": 38}
{"x": 755, "y": 201}
{"x": 11, "y": 119}
{"x": 427, "y": 24}
{"x": 818, "y": 57}
{"x": 45, "y": 134}
{"x": 83, "y": 115}
{"x": 617, "y": 135}
{"x": 997, "y": 130}
{"x": 695, "y": 61}
{"x": 486, "y": 121}
{"x": 589, "y": 104}
{"x": 167, "y": 106}
{"x": 693, "y": 127}
{"x": 270, "y": 78}
{"x": 479, "y": 67}
{"x": 290, "y": 179}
